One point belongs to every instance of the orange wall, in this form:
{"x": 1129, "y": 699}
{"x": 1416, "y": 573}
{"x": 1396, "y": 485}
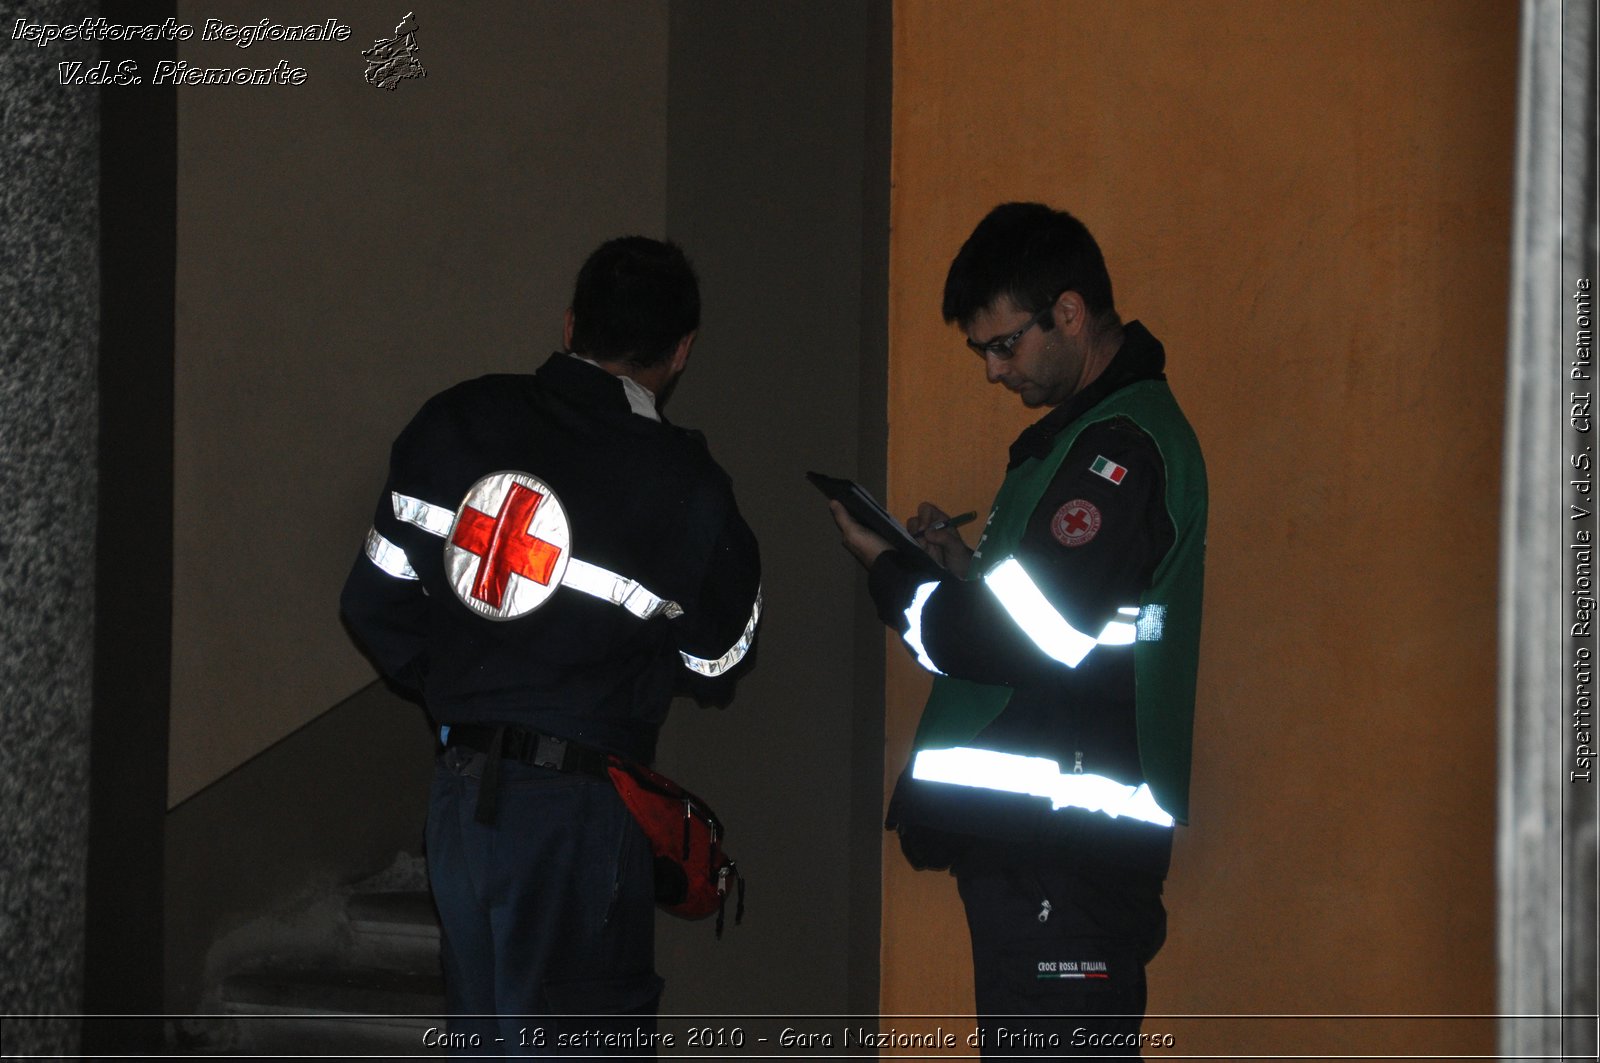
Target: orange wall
{"x": 1309, "y": 204}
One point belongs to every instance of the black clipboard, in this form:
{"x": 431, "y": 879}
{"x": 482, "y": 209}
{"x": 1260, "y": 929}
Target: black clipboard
{"x": 868, "y": 511}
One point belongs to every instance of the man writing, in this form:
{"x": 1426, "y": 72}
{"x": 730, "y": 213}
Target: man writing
{"x": 1052, "y": 758}
{"x": 548, "y": 563}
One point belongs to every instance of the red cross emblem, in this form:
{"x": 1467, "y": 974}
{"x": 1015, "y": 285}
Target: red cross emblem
{"x": 508, "y": 547}
{"x": 1075, "y": 523}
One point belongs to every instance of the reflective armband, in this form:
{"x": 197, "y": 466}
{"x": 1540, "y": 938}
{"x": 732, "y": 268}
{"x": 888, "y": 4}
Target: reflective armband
{"x": 388, "y": 557}
{"x": 1026, "y": 604}
{"x": 716, "y": 666}
{"x": 913, "y": 632}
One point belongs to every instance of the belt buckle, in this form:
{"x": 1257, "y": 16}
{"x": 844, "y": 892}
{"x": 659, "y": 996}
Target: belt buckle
{"x": 551, "y": 752}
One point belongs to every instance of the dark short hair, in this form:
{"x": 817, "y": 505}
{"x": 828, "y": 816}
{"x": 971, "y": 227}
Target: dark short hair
{"x": 1031, "y": 253}
{"x": 635, "y": 298}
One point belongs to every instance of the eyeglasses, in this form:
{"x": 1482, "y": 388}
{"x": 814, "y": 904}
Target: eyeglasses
{"x": 1005, "y": 346}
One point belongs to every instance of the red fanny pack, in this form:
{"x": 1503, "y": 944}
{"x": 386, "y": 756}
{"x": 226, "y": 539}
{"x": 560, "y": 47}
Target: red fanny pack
{"x": 692, "y": 872}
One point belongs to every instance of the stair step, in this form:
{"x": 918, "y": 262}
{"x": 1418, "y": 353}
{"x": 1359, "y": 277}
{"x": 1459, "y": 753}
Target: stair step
{"x": 334, "y": 1010}
{"x": 396, "y": 930}
{"x": 399, "y": 912}
{"x": 336, "y": 991}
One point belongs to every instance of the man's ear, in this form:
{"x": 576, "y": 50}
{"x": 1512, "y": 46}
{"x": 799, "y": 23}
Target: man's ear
{"x": 1070, "y": 313}
{"x": 566, "y": 332}
{"x": 680, "y": 355}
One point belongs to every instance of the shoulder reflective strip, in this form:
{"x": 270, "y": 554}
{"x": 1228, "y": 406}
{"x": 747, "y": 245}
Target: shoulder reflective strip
{"x": 913, "y": 633}
{"x": 618, "y": 590}
{"x": 1038, "y": 777}
{"x": 735, "y": 652}
{"x": 435, "y": 520}
{"x": 388, "y": 556}
{"x": 1048, "y": 629}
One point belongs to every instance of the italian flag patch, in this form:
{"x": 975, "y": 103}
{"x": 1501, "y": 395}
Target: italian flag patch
{"x": 1109, "y": 469}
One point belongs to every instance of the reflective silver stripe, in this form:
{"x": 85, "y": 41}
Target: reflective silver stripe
{"x": 1039, "y": 777}
{"x": 580, "y": 575}
{"x": 618, "y": 590}
{"x": 735, "y": 652}
{"x": 1152, "y": 623}
{"x": 388, "y": 556}
{"x": 435, "y": 520}
{"x": 1040, "y": 621}
{"x": 1122, "y": 631}
{"x": 913, "y": 632}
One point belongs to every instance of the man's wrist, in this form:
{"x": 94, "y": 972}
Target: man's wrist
{"x": 869, "y": 555}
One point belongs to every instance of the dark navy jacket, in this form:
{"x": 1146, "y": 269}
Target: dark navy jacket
{"x": 642, "y": 500}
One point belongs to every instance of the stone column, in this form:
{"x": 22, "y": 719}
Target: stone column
{"x": 1547, "y": 807}
{"x": 49, "y": 334}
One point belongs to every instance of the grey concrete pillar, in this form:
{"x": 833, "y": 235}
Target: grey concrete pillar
{"x": 49, "y": 296}
{"x": 1548, "y": 775}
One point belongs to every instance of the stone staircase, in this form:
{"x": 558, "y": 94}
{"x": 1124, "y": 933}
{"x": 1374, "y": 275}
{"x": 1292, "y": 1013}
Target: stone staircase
{"x": 354, "y": 972}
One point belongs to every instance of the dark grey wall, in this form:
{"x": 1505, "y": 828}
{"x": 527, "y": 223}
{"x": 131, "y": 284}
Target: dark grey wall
{"x": 777, "y": 182}
{"x": 357, "y": 251}
{"x": 133, "y": 608}
{"x": 346, "y": 253}
{"x": 49, "y": 291}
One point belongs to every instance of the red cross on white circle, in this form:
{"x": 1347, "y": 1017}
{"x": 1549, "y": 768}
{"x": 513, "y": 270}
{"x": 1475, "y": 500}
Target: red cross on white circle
{"x": 508, "y": 547}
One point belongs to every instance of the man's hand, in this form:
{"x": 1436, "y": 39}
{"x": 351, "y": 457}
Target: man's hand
{"x": 864, "y": 543}
{"x": 944, "y": 545}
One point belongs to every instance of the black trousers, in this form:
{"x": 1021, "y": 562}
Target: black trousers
{"x": 548, "y": 912}
{"x": 1058, "y": 957}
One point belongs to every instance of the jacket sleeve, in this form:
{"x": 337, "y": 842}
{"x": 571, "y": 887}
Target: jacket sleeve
{"x": 1090, "y": 549}
{"x": 383, "y": 601}
{"x": 717, "y": 630}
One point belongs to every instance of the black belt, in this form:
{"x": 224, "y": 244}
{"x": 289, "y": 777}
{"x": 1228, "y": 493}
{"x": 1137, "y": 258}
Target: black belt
{"x": 507, "y": 742}
{"x": 530, "y": 747}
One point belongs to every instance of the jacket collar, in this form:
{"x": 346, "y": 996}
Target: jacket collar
{"x": 583, "y": 383}
{"x": 1141, "y": 357}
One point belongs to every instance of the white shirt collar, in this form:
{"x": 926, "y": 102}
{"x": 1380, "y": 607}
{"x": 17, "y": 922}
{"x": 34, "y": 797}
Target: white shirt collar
{"x": 641, "y": 400}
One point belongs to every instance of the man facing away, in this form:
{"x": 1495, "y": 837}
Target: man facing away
{"x": 549, "y": 562}
{"x": 1052, "y": 759}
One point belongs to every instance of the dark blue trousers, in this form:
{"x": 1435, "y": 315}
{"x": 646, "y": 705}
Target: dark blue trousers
{"x": 548, "y": 912}
{"x": 1058, "y": 957}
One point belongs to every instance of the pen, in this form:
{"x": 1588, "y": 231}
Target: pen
{"x": 949, "y": 522}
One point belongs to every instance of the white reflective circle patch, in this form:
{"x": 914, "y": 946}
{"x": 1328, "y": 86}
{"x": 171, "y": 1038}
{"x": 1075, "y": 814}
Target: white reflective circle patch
{"x": 508, "y": 546}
